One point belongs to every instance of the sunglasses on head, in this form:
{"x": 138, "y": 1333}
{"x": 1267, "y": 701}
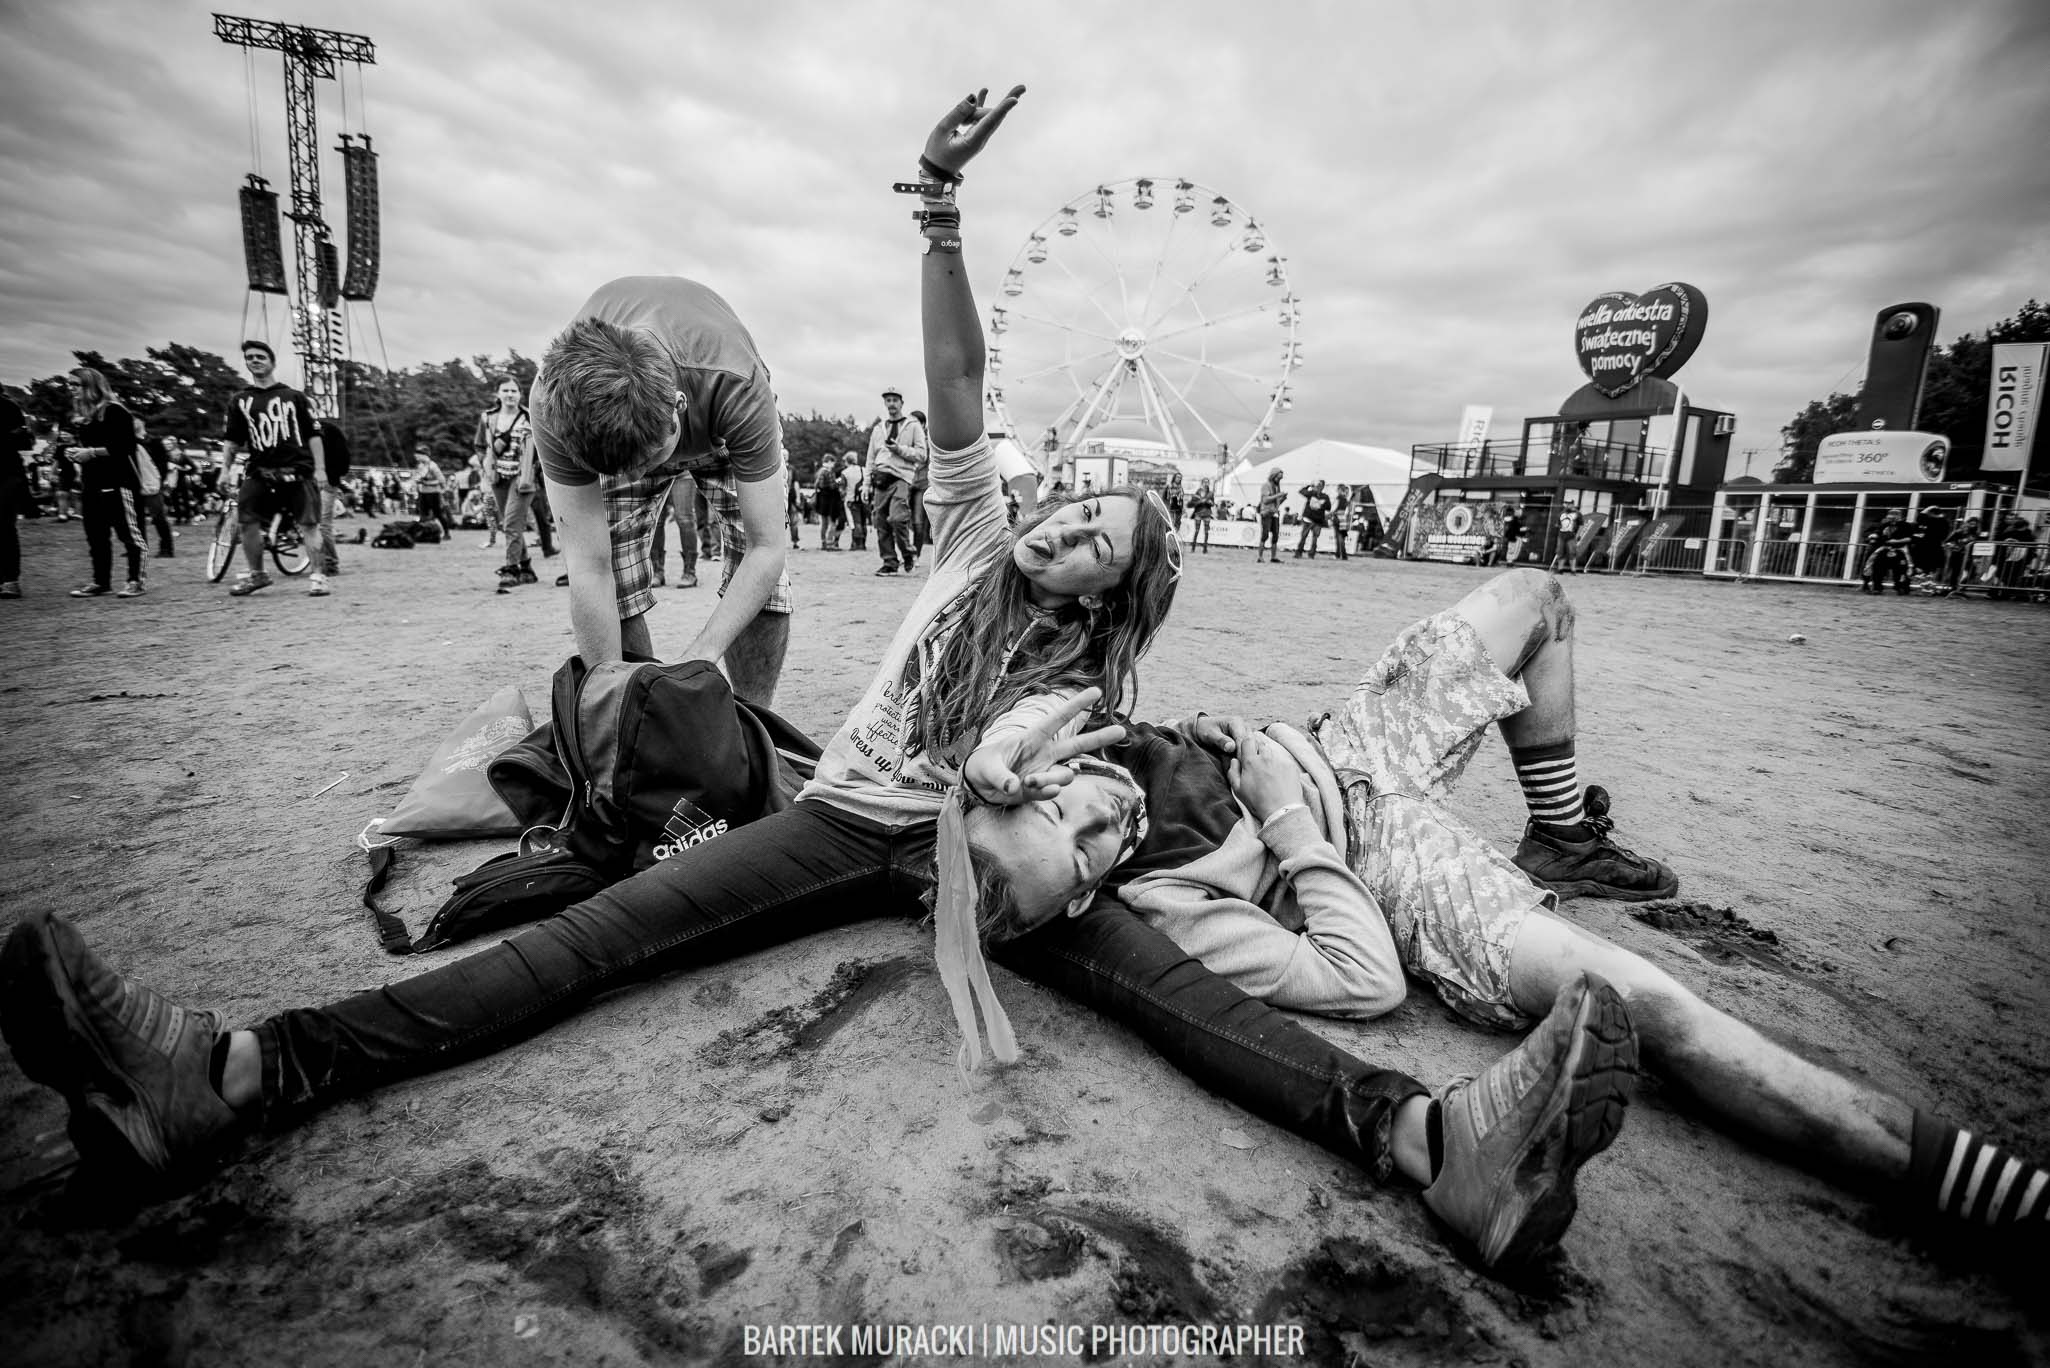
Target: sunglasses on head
{"x": 1174, "y": 541}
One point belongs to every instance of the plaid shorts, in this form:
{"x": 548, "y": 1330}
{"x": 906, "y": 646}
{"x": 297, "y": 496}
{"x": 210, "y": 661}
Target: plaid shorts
{"x": 1454, "y": 903}
{"x": 634, "y": 507}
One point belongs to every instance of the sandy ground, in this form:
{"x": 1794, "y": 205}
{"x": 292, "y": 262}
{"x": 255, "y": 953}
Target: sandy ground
{"x": 783, "y": 1140}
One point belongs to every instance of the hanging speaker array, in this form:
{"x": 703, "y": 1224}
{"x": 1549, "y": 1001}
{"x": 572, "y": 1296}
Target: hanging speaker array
{"x": 263, "y": 250}
{"x": 359, "y": 168}
{"x": 329, "y": 274}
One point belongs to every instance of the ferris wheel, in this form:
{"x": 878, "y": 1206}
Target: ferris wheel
{"x": 1154, "y": 299}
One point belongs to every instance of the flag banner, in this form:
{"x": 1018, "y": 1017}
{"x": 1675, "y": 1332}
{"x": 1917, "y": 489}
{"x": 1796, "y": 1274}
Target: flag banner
{"x": 2012, "y": 404}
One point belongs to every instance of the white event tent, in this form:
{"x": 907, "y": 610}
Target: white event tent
{"x": 1382, "y": 469}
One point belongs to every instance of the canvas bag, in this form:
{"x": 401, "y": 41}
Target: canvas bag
{"x": 453, "y": 798}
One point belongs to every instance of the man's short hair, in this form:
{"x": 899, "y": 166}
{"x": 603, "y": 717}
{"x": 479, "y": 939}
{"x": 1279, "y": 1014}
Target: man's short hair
{"x": 611, "y": 393}
{"x": 258, "y": 344}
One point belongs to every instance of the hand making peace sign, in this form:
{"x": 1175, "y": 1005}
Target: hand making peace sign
{"x": 1032, "y": 766}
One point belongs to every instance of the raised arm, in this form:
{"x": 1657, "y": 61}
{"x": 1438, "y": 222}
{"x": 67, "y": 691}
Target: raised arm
{"x": 953, "y": 335}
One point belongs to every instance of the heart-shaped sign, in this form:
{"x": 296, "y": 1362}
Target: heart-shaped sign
{"x": 1621, "y": 338}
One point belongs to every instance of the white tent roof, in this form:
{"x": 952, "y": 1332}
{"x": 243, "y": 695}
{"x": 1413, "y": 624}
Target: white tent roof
{"x": 1383, "y": 469}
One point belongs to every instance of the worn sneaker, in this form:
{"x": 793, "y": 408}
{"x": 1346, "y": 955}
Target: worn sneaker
{"x": 247, "y": 584}
{"x": 10, "y": 589}
{"x": 132, "y": 589}
{"x": 887, "y": 570}
{"x": 316, "y": 587}
{"x": 131, "y": 1063}
{"x": 1516, "y": 1135}
{"x": 1586, "y": 863}
{"x": 527, "y": 575}
{"x": 92, "y": 591}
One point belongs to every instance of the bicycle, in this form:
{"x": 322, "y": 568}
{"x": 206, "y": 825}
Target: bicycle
{"x": 281, "y": 536}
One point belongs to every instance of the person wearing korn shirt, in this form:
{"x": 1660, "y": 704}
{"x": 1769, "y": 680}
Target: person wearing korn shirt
{"x": 274, "y": 424}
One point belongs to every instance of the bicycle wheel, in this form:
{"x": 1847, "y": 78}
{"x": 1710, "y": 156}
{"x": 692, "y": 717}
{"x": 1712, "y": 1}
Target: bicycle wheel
{"x": 287, "y": 546}
{"x": 220, "y": 552}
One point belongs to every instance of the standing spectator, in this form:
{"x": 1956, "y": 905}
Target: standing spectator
{"x": 1316, "y": 517}
{"x": 1271, "y": 500}
{"x": 684, "y": 505}
{"x": 68, "y": 506}
{"x": 854, "y": 496}
{"x": 896, "y": 452}
{"x": 103, "y": 445}
{"x": 1957, "y": 554}
{"x": 793, "y": 511}
{"x": 504, "y": 434}
{"x": 1341, "y": 521}
{"x": 826, "y": 502}
{"x": 1177, "y": 501}
{"x": 1563, "y": 558}
{"x": 2014, "y": 551}
{"x": 430, "y": 483}
{"x": 334, "y": 459}
{"x": 497, "y": 446}
{"x": 656, "y": 376}
{"x": 152, "y": 464}
{"x": 921, "y": 480}
{"x": 181, "y": 485}
{"x": 1512, "y": 535}
{"x": 16, "y": 437}
{"x": 286, "y": 466}
{"x": 1202, "y": 508}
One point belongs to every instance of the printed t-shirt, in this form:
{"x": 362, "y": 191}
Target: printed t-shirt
{"x": 503, "y": 448}
{"x": 864, "y": 769}
{"x": 276, "y": 424}
{"x": 729, "y": 411}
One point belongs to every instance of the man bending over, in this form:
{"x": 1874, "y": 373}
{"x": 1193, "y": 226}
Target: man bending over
{"x": 653, "y": 378}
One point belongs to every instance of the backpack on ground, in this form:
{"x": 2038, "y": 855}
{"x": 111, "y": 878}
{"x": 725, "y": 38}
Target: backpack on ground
{"x": 394, "y": 536}
{"x": 428, "y": 531}
{"x": 638, "y": 762}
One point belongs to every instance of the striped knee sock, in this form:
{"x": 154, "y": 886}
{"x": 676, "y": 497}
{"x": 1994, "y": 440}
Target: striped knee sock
{"x": 1971, "y": 1179}
{"x": 1551, "y": 782}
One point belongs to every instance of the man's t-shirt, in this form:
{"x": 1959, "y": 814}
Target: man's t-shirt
{"x": 276, "y": 424}
{"x": 1317, "y": 508}
{"x": 1512, "y": 528}
{"x": 729, "y": 411}
{"x": 1271, "y": 499}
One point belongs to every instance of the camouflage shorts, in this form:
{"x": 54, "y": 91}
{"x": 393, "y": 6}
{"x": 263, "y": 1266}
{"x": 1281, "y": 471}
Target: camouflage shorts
{"x": 1454, "y": 903}
{"x": 634, "y": 507}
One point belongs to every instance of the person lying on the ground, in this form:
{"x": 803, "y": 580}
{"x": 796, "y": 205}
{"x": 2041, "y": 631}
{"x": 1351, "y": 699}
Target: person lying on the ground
{"x": 158, "y": 1092}
{"x": 1301, "y": 878}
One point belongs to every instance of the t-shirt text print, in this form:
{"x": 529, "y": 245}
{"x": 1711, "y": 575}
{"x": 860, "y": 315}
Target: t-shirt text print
{"x": 275, "y": 423}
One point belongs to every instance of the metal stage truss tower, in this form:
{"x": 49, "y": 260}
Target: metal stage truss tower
{"x": 310, "y": 54}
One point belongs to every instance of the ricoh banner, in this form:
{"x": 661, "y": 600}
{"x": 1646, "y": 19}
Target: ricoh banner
{"x": 1882, "y": 458}
{"x": 2013, "y": 404}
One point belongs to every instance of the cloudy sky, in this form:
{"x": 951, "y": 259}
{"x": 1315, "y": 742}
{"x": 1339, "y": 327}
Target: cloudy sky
{"x": 1450, "y": 183}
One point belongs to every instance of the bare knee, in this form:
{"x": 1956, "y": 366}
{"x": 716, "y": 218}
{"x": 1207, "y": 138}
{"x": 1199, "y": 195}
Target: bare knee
{"x": 1517, "y": 614}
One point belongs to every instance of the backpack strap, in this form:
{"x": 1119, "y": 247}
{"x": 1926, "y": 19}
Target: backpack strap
{"x": 383, "y": 852}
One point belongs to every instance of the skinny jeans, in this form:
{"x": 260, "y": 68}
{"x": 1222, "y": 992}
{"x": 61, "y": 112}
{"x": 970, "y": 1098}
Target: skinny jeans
{"x": 789, "y": 875}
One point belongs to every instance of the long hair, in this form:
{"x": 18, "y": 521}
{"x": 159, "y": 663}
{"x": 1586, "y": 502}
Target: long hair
{"x": 93, "y": 396}
{"x": 1006, "y": 649}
